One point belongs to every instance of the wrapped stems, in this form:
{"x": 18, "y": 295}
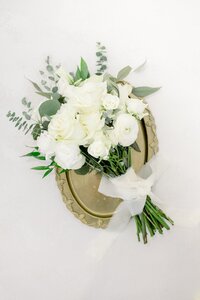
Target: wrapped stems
{"x": 151, "y": 220}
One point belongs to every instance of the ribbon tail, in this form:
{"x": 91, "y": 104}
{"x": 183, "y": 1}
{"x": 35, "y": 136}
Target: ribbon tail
{"x": 100, "y": 245}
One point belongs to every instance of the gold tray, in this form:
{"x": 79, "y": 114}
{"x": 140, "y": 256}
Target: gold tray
{"x": 80, "y": 192}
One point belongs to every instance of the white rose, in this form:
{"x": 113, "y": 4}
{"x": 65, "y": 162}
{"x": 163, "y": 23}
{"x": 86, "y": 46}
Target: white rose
{"x": 110, "y": 102}
{"x": 87, "y": 98}
{"x": 136, "y": 107}
{"x": 64, "y": 126}
{"x": 126, "y": 129}
{"x": 46, "y": 144}
{"x": 68, "y": 156}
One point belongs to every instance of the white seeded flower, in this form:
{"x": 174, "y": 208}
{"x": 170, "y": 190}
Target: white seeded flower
{"x": 110, "y": 102}
{"x": 68, "y": 156}
{"x": 136, "y": 107}
{"x": 126, "y": 129}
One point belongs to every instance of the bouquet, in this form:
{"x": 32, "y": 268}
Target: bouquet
{"x": 90, "y": 122}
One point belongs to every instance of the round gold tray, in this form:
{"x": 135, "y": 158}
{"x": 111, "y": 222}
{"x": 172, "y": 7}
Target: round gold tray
{"x": 80, "y": 192}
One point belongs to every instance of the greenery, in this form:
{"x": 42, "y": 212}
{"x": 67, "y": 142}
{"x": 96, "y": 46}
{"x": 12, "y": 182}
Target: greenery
{"x": 37, "y": 155}
{"x": 101, "y": 59}
{"x": 144, "y": 91}
{"x": 152, "y": 219}
{"x": 22, "y": 122}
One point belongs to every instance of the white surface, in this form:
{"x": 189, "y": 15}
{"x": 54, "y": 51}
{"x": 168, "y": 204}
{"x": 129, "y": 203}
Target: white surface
{"x": 42, "y": 246}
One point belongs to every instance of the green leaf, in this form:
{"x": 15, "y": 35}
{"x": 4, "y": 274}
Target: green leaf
{"x": 49, "y": 68}
{"x": 63, "y": 171}
{"x": 83, "y": 170}
{"x": 46, "y": 95}
{"x": 99, "y": 54}
{"x": 136, "y": 147}
{"x": 24, "y": 102}
{"x": 40, "y": 157}
{"x": 40, "y": 168}
{"x": 36, "y": 86}
{"x": 27, "y": 116}
{"x": 56, "y": 96}
{"x": 123, "y": 73}
{"x": 36, "y": 131}
{"x": 78, "y": 74}
{"x": 138, "y": 68}
{"x": 47, "y": 172}
{"x": 84, "y": 69}
{"x": 144, "y": 91}
{"x": 103, "y": 58}
{"x": 45, "y": 125}
{"x": 33, "y": 153}
{"x": 54, "y": 89}
{"x": 49, "y": 108}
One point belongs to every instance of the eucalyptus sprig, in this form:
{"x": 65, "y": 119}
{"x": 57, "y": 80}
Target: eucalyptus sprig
{"x": 22, "y": 122}
{"x": 101, "y": 59}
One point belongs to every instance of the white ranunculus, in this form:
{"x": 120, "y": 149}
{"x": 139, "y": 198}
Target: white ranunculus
{"x": 124, "y": 92}
{"x": 110, "y": 102}
{"x": 136, "y": 107}
{"x": 98, "y": 149}
{"x": 68, "y": 156}
{"x": 46, "y": 144}
{"x": 126, "y": 129}
{"x": 64, "y": 126}
{"x": 87, "y": 97}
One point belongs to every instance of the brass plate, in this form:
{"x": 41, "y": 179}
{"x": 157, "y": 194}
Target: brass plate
{"x": 79, "y": 192}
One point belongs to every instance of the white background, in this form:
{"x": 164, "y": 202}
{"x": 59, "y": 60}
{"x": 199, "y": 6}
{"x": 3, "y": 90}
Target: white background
{"x": 42, "y": 246}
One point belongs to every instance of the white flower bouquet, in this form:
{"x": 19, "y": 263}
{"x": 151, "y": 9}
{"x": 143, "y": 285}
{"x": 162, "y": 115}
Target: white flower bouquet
{"x": 90, "y": 122}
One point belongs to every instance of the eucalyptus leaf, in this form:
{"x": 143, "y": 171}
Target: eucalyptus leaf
{"x": 49, "y": 68}
{"x": 36, "y": 86}
{"x": 45, "y": 125}
{"x": 138, "y": 68}
{"x": 98, "y": 54}
{"x": 54, "y": 89}
{"x": 144, "y": 91}
{"x": 36, "y": 131}
{"x": 24, "y": 102}
{"x": 46, "y": 95}
{"x": 49, "y": 108}
{"x": 123, "y": 73}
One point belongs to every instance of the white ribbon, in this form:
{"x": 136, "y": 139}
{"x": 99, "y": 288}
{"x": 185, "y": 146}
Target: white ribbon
{"x": 133, "y": 188}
